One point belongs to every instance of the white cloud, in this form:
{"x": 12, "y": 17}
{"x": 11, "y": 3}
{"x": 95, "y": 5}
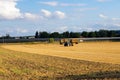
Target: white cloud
{"x": 103, "y": 16}
{"x": 109, "y": 18}
{"x": 9, "y": 0}
{"x": 46, "y": 13}
{"x": 61, "y": 29}
{"x": 87, "y": 9}
{"x": 55, "y": 14}
{"x": 117, "y": 24}
{"x": 13, "y": 30}
{"x": 103, "y": 0}
{"x": 115, "y": 19}
{"x": 8, "y": 10}
{"x": 64, "y": 28}
{"x": 30, "y": 16}
{"x": 68, "y": 4}
{"x": 55, "y": 3}
{"x": 19, "y": 30}
{"x": 52, "y": 3}
{"x": 59, "y": 14}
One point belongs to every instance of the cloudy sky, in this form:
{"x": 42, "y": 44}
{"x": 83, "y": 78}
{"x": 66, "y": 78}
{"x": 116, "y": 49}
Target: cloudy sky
{"x": 24, "y": 17}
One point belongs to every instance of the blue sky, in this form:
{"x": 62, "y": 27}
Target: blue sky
{"x": 24, "y": 17}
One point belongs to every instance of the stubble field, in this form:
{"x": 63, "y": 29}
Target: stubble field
{"x": 108, "y": 52}
{"x": 43, "y": 61}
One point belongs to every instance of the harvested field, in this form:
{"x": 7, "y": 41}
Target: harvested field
{"x": 107, "y": 52}
{"x": 32, "y": 62}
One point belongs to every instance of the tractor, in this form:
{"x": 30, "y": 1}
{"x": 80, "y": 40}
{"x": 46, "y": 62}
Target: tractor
{"x": 69, "y": 41}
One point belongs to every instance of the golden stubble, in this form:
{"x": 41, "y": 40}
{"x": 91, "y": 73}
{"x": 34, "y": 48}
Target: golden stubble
{"x": 108, "y": 52}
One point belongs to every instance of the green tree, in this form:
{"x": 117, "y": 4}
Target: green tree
{"x": 55, "y": 35}
{"x": 103, "y": 33}
{"x": 7, "y": 36}
{"x": 44, "y": 34}
{"x": 71, "y": 34}
{"x": 91, "y": 34}
{"x": 84, "y": 34}
{"x": 36, "y": 34}
{"x": 97, "y": 34}
{"x": 74, "y": 35}
{"x": 66, "y": 34}
{"x": 111, "y": 33}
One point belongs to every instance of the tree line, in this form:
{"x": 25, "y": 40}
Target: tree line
{"x": 67, "y": 34}
{"x": 85, "y": 34}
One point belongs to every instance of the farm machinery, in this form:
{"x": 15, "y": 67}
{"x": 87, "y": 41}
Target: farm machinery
{"x": 69, "y": 41}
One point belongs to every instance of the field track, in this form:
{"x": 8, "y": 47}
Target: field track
{"x": 108, "y": 52}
